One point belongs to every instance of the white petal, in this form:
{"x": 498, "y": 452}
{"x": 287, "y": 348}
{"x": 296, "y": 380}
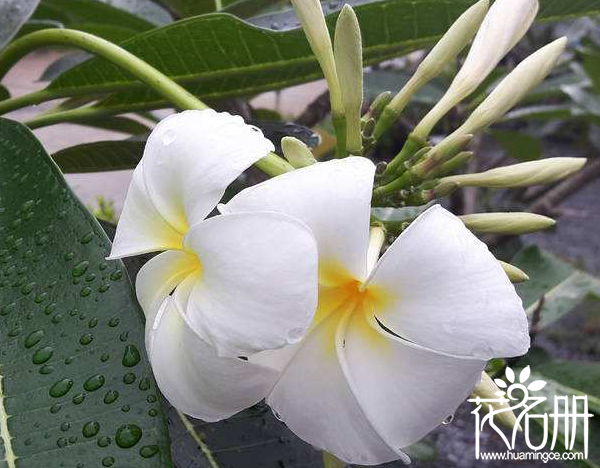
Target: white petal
{"x": 315, "y": 401}
{"x": 194, "y": 379}
{"x": 447, "y": 292}
{"x": 141, "y": 228}
{"x": 258, "y": 286}
{"x": 192, "y": 157}
{"x": 157, "y": 278}
{"x": 333, "y": 198}
{"x": 405, "y": 390}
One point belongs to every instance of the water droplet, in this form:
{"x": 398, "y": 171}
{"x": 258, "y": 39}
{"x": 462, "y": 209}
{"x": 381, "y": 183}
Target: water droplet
{"x": 85, "y": 291}
{"x": 61, "y": 388}
{"x": 69, "y": 360}
{"x": 111, "y": 396}
{"x": 103, "y": 287}
{"x": 86, "y": 239}
{"x": 34, "y": 338}
{"x": 169, "y": 137}
{"x": 131, "y": 356}
{"x": 80, "y": 268}
{"x": 104, "y": 357}
{"x": 116, "y": 275}
{"x": 46, "y": 369}
{"x": 7, "y": 309}
{"x": 144, "y": 384}
{"x": 93, "y": 322}
{"x": 57, "y": 318}
{"x": 62, "y": 442}
{"x": 125, "y": 408}
{"x": 90, "y": 429}
{"x": 42, "y": 355}
{"x": 108, "y": 461}
{"x": 295, "y": 335}
{"x": 86, "y": 339}
{"x": 128, "y": 435}
{"x": 28, "y": 441}
{"x": 55, "y": 408}
{"x": 94, "y": 382}
{"x": 151, "y": 398}
{"x": 65, "y": 426}
{"x": 448, "y": 419}
{"x": 69, "y": 256}
{"x": 113, "y": 322}
{"x": 148, "y": 451}
{"x": 78, "y": 399}
{"x": 50, "y": 308}
{"x": 14, "y": 332}
{"x": 27, "y": 288}
{"x": 152, "y": 413}
{"x": 104, "y": 441}
{"x": 129, "y": 378}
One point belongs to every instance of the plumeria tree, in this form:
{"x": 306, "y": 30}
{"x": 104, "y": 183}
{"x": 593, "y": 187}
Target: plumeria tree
{"x": 338, "y": 291}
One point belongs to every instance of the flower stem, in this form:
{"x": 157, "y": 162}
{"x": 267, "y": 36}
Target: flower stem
{"x": 157, "y": 81}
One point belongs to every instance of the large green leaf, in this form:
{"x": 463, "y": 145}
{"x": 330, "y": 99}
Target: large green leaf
{"x": 217, "y": 56}
{"x": 555, "y": 286}
{"x": 77, "y": 389}
{"x": 87, "y": 15}
{"x": 518, "y": 144}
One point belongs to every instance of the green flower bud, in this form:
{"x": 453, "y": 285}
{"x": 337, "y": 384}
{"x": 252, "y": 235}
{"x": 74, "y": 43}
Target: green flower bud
{"x": 349, "y": 66}
{"x": 507, "y": 223}
{"x": 505, "y": 24}
{"x": 515, "y": 275}
{"x": 310, "y": 14}
{"x": 446, "y": 50}
{"x": 544, "y": 171}
{"x": 296, "y": 152}
{"x": 486, "y": 389}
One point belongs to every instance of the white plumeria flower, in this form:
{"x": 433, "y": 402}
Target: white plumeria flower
{"x": 395, "y": 347}
{"x": 242, "y": 283}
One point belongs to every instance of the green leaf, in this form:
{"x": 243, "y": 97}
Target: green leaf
{"x": 4, "y": 93}
{"x": 76, "y": 384}
{"x": 100, "y": 156}
{"x": 217, "y": 56}
{"x": 518, "y": 145}
{"x": 75, "y": 13}
{"x": 555, "y": 286}
{"x": 591, "y": 65}
{"x": 248, "y": 8}
{"x": 568, "y": 378}
{"x": 13, "y": 14}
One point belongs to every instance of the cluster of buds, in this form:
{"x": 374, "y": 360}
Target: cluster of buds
{"x": 422, "y": 172}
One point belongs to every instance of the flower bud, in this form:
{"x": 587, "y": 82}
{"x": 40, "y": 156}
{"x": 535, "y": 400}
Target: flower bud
{"x": 310, "y": 14}
{"x": 515, "y": 275}
{"x": 505, "y": 24}
{"x": 528, "y": 74}
{"x": 349, "y": 66}
{"x": 453, "y": 164}
{"x": 296, "y": 152}
{"x": 486, "y": 389}
{"x": 507, "y": 223}
{"x": 446, "y": 50}
{"x": 544, "y": 171}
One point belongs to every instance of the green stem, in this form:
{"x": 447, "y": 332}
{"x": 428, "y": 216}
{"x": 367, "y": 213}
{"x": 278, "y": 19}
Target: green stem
{"x": 157, "y": 81}
{"x": 339, "y": 125}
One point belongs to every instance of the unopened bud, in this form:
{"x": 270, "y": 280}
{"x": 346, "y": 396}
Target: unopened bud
{"x": 453, "y": 164}
{"x": 446, "y": 50}
{"x": 515, "y": 275}
{"x": 507, "y": 223}
{"x": 379, "y": 104}
{"x": 440, "y": 154}
{"x": 486, "y": 389}
{"x": 296, "y": 152}
{"x": 310, "y": 14}
{"x": 544, "y": 171}
{"x": 504, "y": 25}
{"x": 349, "y": 66}
{"x": 528, "y": 74}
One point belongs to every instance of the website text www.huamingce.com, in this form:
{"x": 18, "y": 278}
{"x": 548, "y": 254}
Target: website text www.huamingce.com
{"x": 544, "y": 457}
